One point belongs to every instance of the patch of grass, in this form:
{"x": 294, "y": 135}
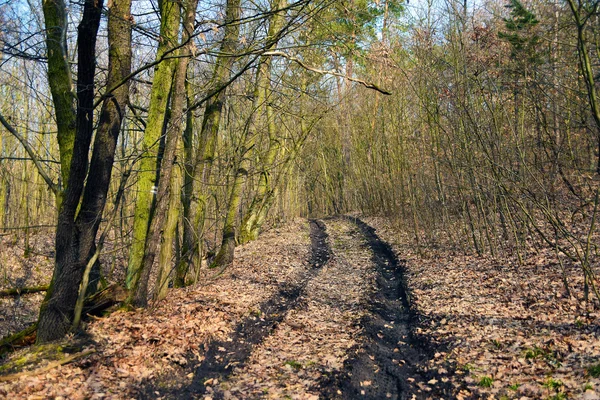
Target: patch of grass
{"x": 579, "y": 323}
{"x": 497, "y": 344}
{"x": 548, "y": 355}
{"x": 534, "y": 352}
{"x": 594, "y": 370}
{"x": 255, "y": 313}
{"x": 485, "y": 381}
{"x": 588, "y": 386}
{"x": 294, "y": 364}
{"x": 467, "y": 367}
{"x": 553, "y": 384}
{"x": 514, "y": 387}
{"x": 558, "y": 396}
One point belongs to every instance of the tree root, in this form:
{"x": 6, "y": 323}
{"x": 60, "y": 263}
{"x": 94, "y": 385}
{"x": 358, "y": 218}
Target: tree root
{"x": 23, "y": 338}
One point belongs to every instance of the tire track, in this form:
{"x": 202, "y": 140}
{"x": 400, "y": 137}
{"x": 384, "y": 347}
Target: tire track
{"x": 390, "y": 363}
{"x": 221, "y": 357}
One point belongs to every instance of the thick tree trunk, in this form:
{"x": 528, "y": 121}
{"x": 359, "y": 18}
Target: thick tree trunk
{"x": 59, "y": 79}
{"x": 171, "y": 206}
{"x": 56, "y": 312}
{"x": 76, "y": 232}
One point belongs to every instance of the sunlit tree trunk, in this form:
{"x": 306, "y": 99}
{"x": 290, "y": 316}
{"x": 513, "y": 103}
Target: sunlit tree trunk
{"x": 262, "y": 99}
{"x": 174, "y": 148}
{"x": 72, "y": 237}
{"x": 209, "y": 133}
{"x": 147, "y": 176}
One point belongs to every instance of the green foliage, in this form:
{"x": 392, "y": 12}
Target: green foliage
{"x": 594, "y": 370}
{"x": 514, "y": 387}
{"x": 520, "y": 33}
{"x": 350, "y": 27}
{"x": 467, "y": 367}
{"x": 485, "y": 381}
{"x": 534, "y": 352}
{"x": 521, "y": 18}
{"x": 294, "y": 364}
{"x": 548, "y": 355}
{"x": 558, "y": 396}
{"x": 588, "y": 386}
{"x": 552, "y": 384}
{"x": 255, "y": 313}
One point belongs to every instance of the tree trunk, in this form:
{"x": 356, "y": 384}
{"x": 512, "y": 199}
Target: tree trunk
{"x": 252, "y": 221}
{"x": 59, "y": 79}
{"x": 210, "y": 127}
{"x": 56, "y": 312}
{"x": 174, "y": 187}
{"x": 188, "y": 233}
{"x": 76, "y": 231}
{"x": 146, "y": 186}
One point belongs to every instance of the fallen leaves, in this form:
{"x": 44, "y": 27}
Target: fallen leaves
{"x": 496, "y": 329}
{"x": 492, "y": 317}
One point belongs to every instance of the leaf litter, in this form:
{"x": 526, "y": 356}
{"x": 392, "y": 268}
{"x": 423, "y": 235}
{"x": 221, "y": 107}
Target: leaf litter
{"x": 492, "y": 329}
{"x": 510, "y": 331}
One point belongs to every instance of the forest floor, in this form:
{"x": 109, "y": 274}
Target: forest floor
{"x": 330, "y": 308}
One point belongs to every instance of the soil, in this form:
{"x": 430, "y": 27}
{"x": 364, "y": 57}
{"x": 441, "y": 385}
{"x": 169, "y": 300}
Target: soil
{"x": 222, "y": 356}
{"x": 389, "y": 357}
{"x": 326, "y": 309}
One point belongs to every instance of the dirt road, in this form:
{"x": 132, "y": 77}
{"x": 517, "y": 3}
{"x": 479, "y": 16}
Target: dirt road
{"x": 341, "y": 328}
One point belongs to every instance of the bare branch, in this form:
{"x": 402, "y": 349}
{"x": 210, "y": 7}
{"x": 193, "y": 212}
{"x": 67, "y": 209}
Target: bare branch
{"x": 34, "y": 157}
{"x": 366, "y": 84}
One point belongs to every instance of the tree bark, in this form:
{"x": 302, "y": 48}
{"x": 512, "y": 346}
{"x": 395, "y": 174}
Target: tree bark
{"x": 209, "y": 131}
{"x": 59, "y": 79}
{"x": 171, "y": 206}
{"x": 76, "y": 231}
{"x": 252, "y": 221}
{"x": 56, "y": 312}
{"x": 147, "y": 177}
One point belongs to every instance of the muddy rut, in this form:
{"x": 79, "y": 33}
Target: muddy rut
{"x": 340, "y": 329}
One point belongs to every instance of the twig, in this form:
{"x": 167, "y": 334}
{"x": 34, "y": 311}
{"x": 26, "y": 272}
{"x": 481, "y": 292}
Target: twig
{"x": 48, "y": 367}
{"x": 34, "y": 157}
{"x": 366, "y": 84}
{"x": 23, "y": 290}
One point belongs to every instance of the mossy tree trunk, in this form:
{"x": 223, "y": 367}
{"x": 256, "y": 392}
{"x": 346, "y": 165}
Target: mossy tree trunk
{"x": 186, "y": 197}
{"x": 254, "y": 218}
{"x": 79, "y": 217}
{"x": 59, "y": 79}
{"x": 209, "y": 136}
{"x": 261, "y": 99}
{"x": 170, "y": 187}
{"x": 147, "y": 176}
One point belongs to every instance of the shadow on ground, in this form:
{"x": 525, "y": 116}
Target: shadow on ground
{"x": 222, "y": 357}
{"x": 390, "y": 363}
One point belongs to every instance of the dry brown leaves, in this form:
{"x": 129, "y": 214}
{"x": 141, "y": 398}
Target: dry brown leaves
{"x": 134, "y": 348}
{"x": 16, "y": 270}
{"x": 315, "y": 337}
{"x": 509, "y": 323}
